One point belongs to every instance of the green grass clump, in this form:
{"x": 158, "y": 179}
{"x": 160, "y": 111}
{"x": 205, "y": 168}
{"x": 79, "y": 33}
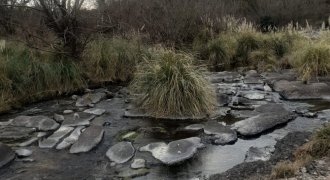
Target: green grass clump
{"x": 171, "y": 86}
{"x": 263, "y": 60}
{"x": 112, "y": 59}
{"x": 246, "y": 43}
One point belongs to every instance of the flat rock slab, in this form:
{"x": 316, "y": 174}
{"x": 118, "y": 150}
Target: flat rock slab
{"x": 68, "y": 141}
{"x": 90, "y": 98}
{"x": 52, "y": 140}
{"x": 222, "y": 134}
{"x": 133, "y": 173}
{"x": 23, "y": 152}
{"x": 297, "y": 90}
{"x": 78, "y": 119}
{"x": 270, "y": 116}
{"x": 95, "y": 111}
{"x": 12, "y": 134}
{"x": 225, "y": 77}
{"x": 174, "y": 152}
{"x": 134, "y": 113}
{"x": 6, "y": 155}
{"x": 121, "y": 152}
{"x": 90, "y": 138}
{"x": 272, "y": 77}
{"x": 42, "y": 123}
{"x": 259, "y": 154}
{"x": 138, "y": 163}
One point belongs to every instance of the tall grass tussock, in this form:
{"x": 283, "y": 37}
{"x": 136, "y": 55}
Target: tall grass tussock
{"x": 172, "y": 86}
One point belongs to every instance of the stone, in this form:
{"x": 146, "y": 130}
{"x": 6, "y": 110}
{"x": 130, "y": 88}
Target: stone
{"x": 6, "y": 123}
{"x": 259, "y": 154}
{"x": 28, "y": 142}
{"x": 129, "y": 136}
{"x": 134, "y": 113}
{"x": 90, "y": 138}
{"x": 297, "y": 90}
{"x": 58, "y": 118}
{"x": 69, "y": 111}
{"x": 219, "y": 113}
{"x": 254, "y": 96}
{"x": 90, "y": 98}
{"x": 225, "y": 77}
{"x": 174, "y": 152}
{"x": 223, "y": 99}
{"x": 52, "y": 140}
{"x": 252, "y": 77}
{"x": 133, "y": 173}
{"x": 95, "y": 111}
{"x": 286, "y": 74}
{"x": 41, "y": 134}
{"x": 194, "y": 127}
{"x": 324, "y": 115}
{"x": 6, "y": 155}
{"x": 68, "y": 141}
{"x": 121, "y": 152}
{"x": 13, "y": 134}
{"x": 23, "y": 152}
{"x": 138, "y": 163}
{"x": 222, "y": 134}
{"x": 42, "y": 123}
{"x": 78, "y": 119}
{"x": 99, "y": 121}
{"x": 270, "y": 116}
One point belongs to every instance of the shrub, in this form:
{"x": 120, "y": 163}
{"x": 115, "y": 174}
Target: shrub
{"x": 263, "y": 60}
{"x": 171, "y": 85}
{"x": 246, "y": 43}
{"x": 112, "y": 59}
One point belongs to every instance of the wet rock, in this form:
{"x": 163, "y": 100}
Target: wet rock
{"x": 6, "y": 155}
{"x": 272, "y": 77}
{"x": 90, "y": 98}
{"x": 129, "y": 174}
{"x": 138, "y": 163}
{"x": 254, "y": 95}
{"x": 78, "y": 119}
{"x": 99, "y": 121}
{"x": 259, "y": 154}
{"x": 95, "y": 111}
{"x": 324, "y": 115}
{"x": 267, "y": 88}
{"x": 52, "y": 140}
{"x": 222, "y": 134}
{"x": 121, "y": 152}
{"x": 130, "y": 136}
{"x": 68, "y": 141}
{"x": 174, "y": 152}
{"x": 134, "y": 113}
{"x": 42, "y": 123}
{"x": 194, "y": 127}
{"x": 219, "y": 112}
{"x": 6, "y": 123}
{"x": 67, "y": 111}
{"x": 12, "y": 134}
{"x": 225, "y": 76}
{"x": 270, "y": 116}
{"x": 297, "y": 90}
{"x": 58, "y": 118}
{"x": 223, "y": 99}
{"x": 23, "y": 152}
{"x": 90, "y": 138}
{"x": 28, "y": 142}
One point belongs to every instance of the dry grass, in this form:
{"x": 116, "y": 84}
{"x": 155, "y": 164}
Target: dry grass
{"x": 172, "y": 86}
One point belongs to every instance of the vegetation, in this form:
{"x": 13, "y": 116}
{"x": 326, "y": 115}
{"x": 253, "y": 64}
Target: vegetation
{"x": 171, "y": 85}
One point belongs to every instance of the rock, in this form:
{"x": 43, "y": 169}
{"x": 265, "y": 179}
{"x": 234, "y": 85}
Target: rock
{"x": 219, "y": 113}
{"x": 267, "y": 88}
{"x": 99, "y": 121}
{"x": 52, "y": 140}
{"x": 176, "y": 151}
{"x": 90, "y": 138}
{"x": 78, "y": 119}
{"x": 194, "y": 127}
{"x": 90, "y": 98}
{"x": 6, "y": 123}
{"x": 14, "y": 134}
{"x": 67, "y": 111}
{"x": 138, "y": 163}
{"x": 259, "y": 154}
{"x": 121, "y": 152}
{"x": 41, "y": 134}
{"x": 58, "y": 118}
{"x": 297, "y": 90}
{"x": 270, "y": 115}
{"x": 254, "y": 96}
{"x": 28, "y": 142}
{"x": 6, "y": 155}
{"x": 134, "y": 113}
{"x": 42, "y": 123}
{"x": 68, "y": 141}
{"x": 129, "y": 174}
{"x": 227, "y": 77}
{"x": 222, "y": 134}
{"x": 272, "y": 77}
{"x": 252, "y": 77}
{"x": 74, "y": 97}
{"x": 95, "y": 111}
{"x": 129, "y": 136}
{"x": 324, "y": 115}
{"x": 23, "y": 152}
{"x": 223, "y": 99}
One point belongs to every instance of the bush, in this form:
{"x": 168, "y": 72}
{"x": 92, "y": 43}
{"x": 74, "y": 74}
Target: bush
{"x": 263, "y": 60}
{"x": 172, "y": 86}
{"x": 112, "y": 59}
{"x": 246, "y": 43}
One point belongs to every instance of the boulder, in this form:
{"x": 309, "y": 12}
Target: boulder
{"x": 270, "y": 116}
{"x": 174, "y": 152}
{"x": 42, "y": 123}
{"x": 297, "y": 90}
{"x": 121, "y": 152}
{"x": 90, "y": 138}
{"x": 52, "y": 140}
{"x": 6, "y": 155}
{"x": 68, "y": 141}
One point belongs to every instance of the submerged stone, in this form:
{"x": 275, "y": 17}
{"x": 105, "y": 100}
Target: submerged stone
{"x": 78, "y": 119}
{"x": 133, "y": 173}
{"x": 138, "y": 163}
{"x": 42, "y": 123}
{"x": 174, "y": 152}
{"x": 90, "y": 98}
{"x": 90, "y": 138}
{"x": 68, "y": 141}
{"x": 95, "y": 111}
{"x": 52, "y": 140}
{"x": 12, "y": 134}
{"x": 121, "y": 152}
{"x": 259, "y": 154}
{"x": 6, "y": 155}
{"x": 194, "y": 127}
{"x": 23, "y": 152}
{"x": 222, "y": 134}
